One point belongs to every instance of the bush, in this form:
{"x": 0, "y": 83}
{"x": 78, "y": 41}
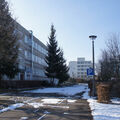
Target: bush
{"x": 79, "y": 80}
{"x": 115, "y": 89}
{"x": 103, "y": 92}
{"x": 72, "y": 80}
{"x": 24, "y": 83}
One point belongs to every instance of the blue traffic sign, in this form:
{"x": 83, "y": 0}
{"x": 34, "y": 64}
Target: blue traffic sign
{"x": 90, "y": 71}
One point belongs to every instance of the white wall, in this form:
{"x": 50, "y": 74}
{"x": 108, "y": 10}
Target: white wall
{"x": 73, "y": 69}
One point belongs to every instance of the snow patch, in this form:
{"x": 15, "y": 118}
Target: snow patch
{"x": 69, "y": 91}
{"x": 51, "y": 101}
{"x": 86, "y": 94}
{"x": 12, "y": 107}
{"x": 65, "y": 113}
{"x": 24, "y": 118}
{"x": 102, "y": 111}
{"x": 46, "y": 112}
{"x": 71, "y": 101}
{"x": 36, "y": 105}
{"x": 66, "y": 107}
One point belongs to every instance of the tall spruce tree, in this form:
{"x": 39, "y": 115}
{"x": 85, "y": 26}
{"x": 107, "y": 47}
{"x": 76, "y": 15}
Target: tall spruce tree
{"x": 56, "y": 67}
{"x": 8, "y": 42}
{"x": 62, "y": 69}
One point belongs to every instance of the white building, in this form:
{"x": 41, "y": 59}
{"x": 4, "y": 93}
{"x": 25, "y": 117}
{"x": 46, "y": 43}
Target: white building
{"x": 78, "y": 69}
{"x": 82, "y": 67}
{"x": 73, "y": 69}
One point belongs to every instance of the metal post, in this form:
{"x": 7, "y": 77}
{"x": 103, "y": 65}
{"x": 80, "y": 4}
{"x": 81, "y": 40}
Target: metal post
{"x": 93, "y": 92}
{"x": 31, "y": 32}
{"x": 93, "y": 37}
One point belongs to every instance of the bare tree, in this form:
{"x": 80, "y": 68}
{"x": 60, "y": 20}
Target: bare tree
{"x": 113, "y": 46}
{"x": 110, "y": 59}
{"x": 105, "y": 66}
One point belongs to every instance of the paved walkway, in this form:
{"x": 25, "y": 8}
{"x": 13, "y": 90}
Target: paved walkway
{"x": 63, "y": 110}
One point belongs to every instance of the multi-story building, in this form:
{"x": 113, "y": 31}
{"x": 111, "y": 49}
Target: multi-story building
{"x": 31, "y": 57}
{"x": 82, "y": 67}
{"x": 73, "y": 69}
{"x": 78, "y": 69}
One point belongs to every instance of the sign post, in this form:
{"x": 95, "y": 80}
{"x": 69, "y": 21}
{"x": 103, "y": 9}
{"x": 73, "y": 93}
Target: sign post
{"x": 90, "y": 72}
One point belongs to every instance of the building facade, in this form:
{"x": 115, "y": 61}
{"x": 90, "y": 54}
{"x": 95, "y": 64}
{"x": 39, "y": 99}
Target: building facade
{"x": 73, "y": 69}
{"x": 31, "y": 57}
{"x": 79, "y": 68}
{"x": 82, "y": 66}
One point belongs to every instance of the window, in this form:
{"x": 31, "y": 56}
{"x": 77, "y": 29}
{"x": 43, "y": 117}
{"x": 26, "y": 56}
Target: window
{"x": 20, "y": 49}
{"x": 34, "y": 44}
{"x": 81, "y": 73}
{"x": 28, "y": 55}
{"x": 21, "y": 66}
{"x": 34, "y": 58}
{"x": 37, "y": 47}
{"x": 40, "y": 49}
{"x": 25, "y": 53}
{"x": 25, "y": 39}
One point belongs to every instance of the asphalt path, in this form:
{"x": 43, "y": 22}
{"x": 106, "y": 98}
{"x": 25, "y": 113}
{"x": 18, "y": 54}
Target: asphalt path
{"x": 62, "y": 110}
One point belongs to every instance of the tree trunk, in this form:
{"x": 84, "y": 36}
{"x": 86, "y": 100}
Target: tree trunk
{"x": 52, "y": 81}
{"x": 0, "y": 80}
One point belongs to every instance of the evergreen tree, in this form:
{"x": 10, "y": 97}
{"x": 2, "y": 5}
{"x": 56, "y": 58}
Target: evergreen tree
{"x": 8, "y": 42}
{"x": 56, "y": 67}
{"x": 62, "y": 71}
{"x": 52, "y": 57}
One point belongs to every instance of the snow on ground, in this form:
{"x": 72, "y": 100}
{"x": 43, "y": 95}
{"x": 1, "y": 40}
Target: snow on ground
{"x": 102, "y": 111}
{"x": 71, "y": 101}
{"x": 36, "y": 105}
{"x": 69, "y": 91}
{"x": 24, "y": 118}
{"x": 86, "y": 93}
{"x": 51, "y": 101}
{"x": 12, "y": 107}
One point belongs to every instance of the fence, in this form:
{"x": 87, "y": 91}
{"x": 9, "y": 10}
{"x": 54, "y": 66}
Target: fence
{"x": 23, "y": 83}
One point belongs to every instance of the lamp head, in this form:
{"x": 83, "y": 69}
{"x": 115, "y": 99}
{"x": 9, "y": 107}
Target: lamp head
{"x": 92, "y": 37}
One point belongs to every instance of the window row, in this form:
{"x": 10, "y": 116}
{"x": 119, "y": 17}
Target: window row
{"x": 87, "y": 66}
{"x": 28, "y": 40}
{"x": 39, "y": 48}
{"x": 28, "y": 55}
{"x": 86, "y": 62}
{"x": 82, "y": 73}
{"x": 35, "y": 45}
{"x": 82, "y": 69}
{"x": 38, "y": 72}
{"x": 39, "y": 60}
{"x": 82, "y": 76}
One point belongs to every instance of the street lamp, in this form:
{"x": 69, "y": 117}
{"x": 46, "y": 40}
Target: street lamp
{"x": 93, "y": 37}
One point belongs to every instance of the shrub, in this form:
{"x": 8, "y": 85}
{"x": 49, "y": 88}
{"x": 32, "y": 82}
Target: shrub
{"x": 103, "y": 92}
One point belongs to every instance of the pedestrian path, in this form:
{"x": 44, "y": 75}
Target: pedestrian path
{"x": 65, "y": 109}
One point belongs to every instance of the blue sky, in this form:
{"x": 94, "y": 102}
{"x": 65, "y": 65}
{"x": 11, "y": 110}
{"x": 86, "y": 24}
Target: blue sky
{"x": 74, "y": 21}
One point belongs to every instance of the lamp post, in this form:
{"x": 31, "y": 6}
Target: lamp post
{"x": 93, "y": 37}
{"x": 31, "y": 34}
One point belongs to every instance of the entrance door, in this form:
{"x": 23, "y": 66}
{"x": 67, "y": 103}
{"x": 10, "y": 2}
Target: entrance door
{"x": 21, "y": 76}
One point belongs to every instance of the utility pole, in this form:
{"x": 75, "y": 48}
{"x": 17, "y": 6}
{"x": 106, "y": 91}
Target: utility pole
{"x": 93, "y": 37}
